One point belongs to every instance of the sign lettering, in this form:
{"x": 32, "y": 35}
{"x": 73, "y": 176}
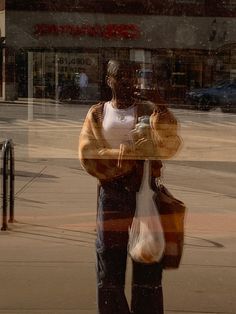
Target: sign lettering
{"x": 109, "y": 31}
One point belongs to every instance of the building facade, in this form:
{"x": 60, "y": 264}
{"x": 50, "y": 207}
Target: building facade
{"x": 45, "y": 44}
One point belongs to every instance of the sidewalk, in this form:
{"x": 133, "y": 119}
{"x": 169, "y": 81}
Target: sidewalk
{"x": 46, "y": 101}
{"x": 47, "y": 260}
{"x": 49, "y": 101}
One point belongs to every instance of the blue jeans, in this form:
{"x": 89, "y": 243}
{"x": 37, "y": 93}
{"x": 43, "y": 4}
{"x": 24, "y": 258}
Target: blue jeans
{"x": 116, "y": 207}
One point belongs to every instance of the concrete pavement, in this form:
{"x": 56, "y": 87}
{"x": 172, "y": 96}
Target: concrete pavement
{"x": 47, "y": 258}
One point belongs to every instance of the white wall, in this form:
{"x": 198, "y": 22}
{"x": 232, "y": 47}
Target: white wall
{"x": 2, "y": 23}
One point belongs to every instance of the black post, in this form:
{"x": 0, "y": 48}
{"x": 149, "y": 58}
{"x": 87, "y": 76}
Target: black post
{"x": 7, "y": 173}
{"x": 4, "y": 186}
{"x": 12, "y": 182}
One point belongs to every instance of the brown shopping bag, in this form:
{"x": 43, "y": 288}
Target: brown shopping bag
{"x": 172, "y": 212}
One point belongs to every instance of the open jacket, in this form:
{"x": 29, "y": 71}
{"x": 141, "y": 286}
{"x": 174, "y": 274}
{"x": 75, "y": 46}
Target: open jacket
{"x": 107, "y": 164}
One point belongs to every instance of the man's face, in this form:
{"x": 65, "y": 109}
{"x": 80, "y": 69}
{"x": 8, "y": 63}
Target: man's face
{"x": 123, "y": 83}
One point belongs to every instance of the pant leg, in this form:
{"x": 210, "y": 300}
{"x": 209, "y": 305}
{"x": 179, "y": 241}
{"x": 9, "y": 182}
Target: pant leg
{"x": 83, "y": 92}
{"x": 115, "y": 211}
{"x": 147, "y": 295}
{"x": 111, "y": 266}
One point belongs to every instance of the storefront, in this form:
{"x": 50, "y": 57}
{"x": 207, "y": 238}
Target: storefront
{"x": 52, "y": 70}
{"x": 49, "y": 51}
{"x": 226, "y": 62}
{"x": 50, "y": 56}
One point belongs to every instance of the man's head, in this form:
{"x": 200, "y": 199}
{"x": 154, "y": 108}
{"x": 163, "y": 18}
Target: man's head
{"x": 121, "y": 78}
{"x": 121, "y": 69}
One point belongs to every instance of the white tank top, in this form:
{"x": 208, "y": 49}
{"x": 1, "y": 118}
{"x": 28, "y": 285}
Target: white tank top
{"x": 117, "y": 123}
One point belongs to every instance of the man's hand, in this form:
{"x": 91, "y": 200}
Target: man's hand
{"x": 144, "y": 147}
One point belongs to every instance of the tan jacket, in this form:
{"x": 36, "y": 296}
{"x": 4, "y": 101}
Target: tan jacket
{"x": 106, "y": 163}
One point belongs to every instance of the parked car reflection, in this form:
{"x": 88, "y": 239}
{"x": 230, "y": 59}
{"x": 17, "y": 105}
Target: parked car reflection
{"x": 222, "y": 95}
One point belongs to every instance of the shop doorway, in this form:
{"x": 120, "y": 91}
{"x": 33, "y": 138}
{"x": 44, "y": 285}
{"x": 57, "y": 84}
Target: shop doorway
{"x": 177, "y": 72}
{"x": 56, "y": 75}
{"x": 43, "y": 74}
{"x": 77, "y": 76}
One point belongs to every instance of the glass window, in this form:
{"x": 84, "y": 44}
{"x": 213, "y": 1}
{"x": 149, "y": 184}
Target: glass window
{"x": 53, "y": 71}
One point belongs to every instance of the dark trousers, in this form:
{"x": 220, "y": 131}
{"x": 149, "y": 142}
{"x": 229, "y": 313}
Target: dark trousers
{"x": 116, "y": 207}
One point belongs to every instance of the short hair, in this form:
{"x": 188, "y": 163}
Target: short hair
{"x": 114, "y": 66}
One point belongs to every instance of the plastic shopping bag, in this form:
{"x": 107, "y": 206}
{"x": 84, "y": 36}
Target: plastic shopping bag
{"x": 146, "y": 237}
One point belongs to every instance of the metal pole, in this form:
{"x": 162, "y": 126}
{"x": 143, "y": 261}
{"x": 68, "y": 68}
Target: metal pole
{"x": 43, "y": 97}
{"x": 12, "y": 181}
{"x": 4, "y": 74}
{"x": 30, "y": 87}
{"x": 4, "y": 186}
{"x": 56, "y": 78}
{"x": 7, "y": 186}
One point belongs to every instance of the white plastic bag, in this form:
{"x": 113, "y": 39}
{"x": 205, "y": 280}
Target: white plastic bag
{"x": 146, "y": 237}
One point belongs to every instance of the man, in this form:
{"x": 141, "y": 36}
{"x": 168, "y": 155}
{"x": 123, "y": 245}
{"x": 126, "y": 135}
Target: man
{"x": 113, "y": 152}
{"x": 83, "y": 84}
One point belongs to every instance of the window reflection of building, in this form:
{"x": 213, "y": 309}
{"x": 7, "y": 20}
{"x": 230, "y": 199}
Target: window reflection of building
{"x": 197, "y": 28}
{"x": 47, "y": 66}
{"x": 226, "y": 62}
{"x": 178, "y": 71}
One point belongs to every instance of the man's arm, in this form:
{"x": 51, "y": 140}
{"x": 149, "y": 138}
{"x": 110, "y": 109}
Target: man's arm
{"x": 98, "y": 160}
{"x": 165, "y": 132}
{"x": 164, "y": 126}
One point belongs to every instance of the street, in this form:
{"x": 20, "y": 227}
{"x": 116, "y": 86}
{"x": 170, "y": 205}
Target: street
{"x": 56, "y": 201}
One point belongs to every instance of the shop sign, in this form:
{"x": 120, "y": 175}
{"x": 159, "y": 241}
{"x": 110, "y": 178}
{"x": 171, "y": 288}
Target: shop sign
{"x": 109, "y": 31}
{"x": 69, "y": 62}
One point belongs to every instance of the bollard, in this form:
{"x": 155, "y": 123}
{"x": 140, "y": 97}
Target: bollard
{"x": 12, "y": 184}
{"x": 8, "y": 178}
